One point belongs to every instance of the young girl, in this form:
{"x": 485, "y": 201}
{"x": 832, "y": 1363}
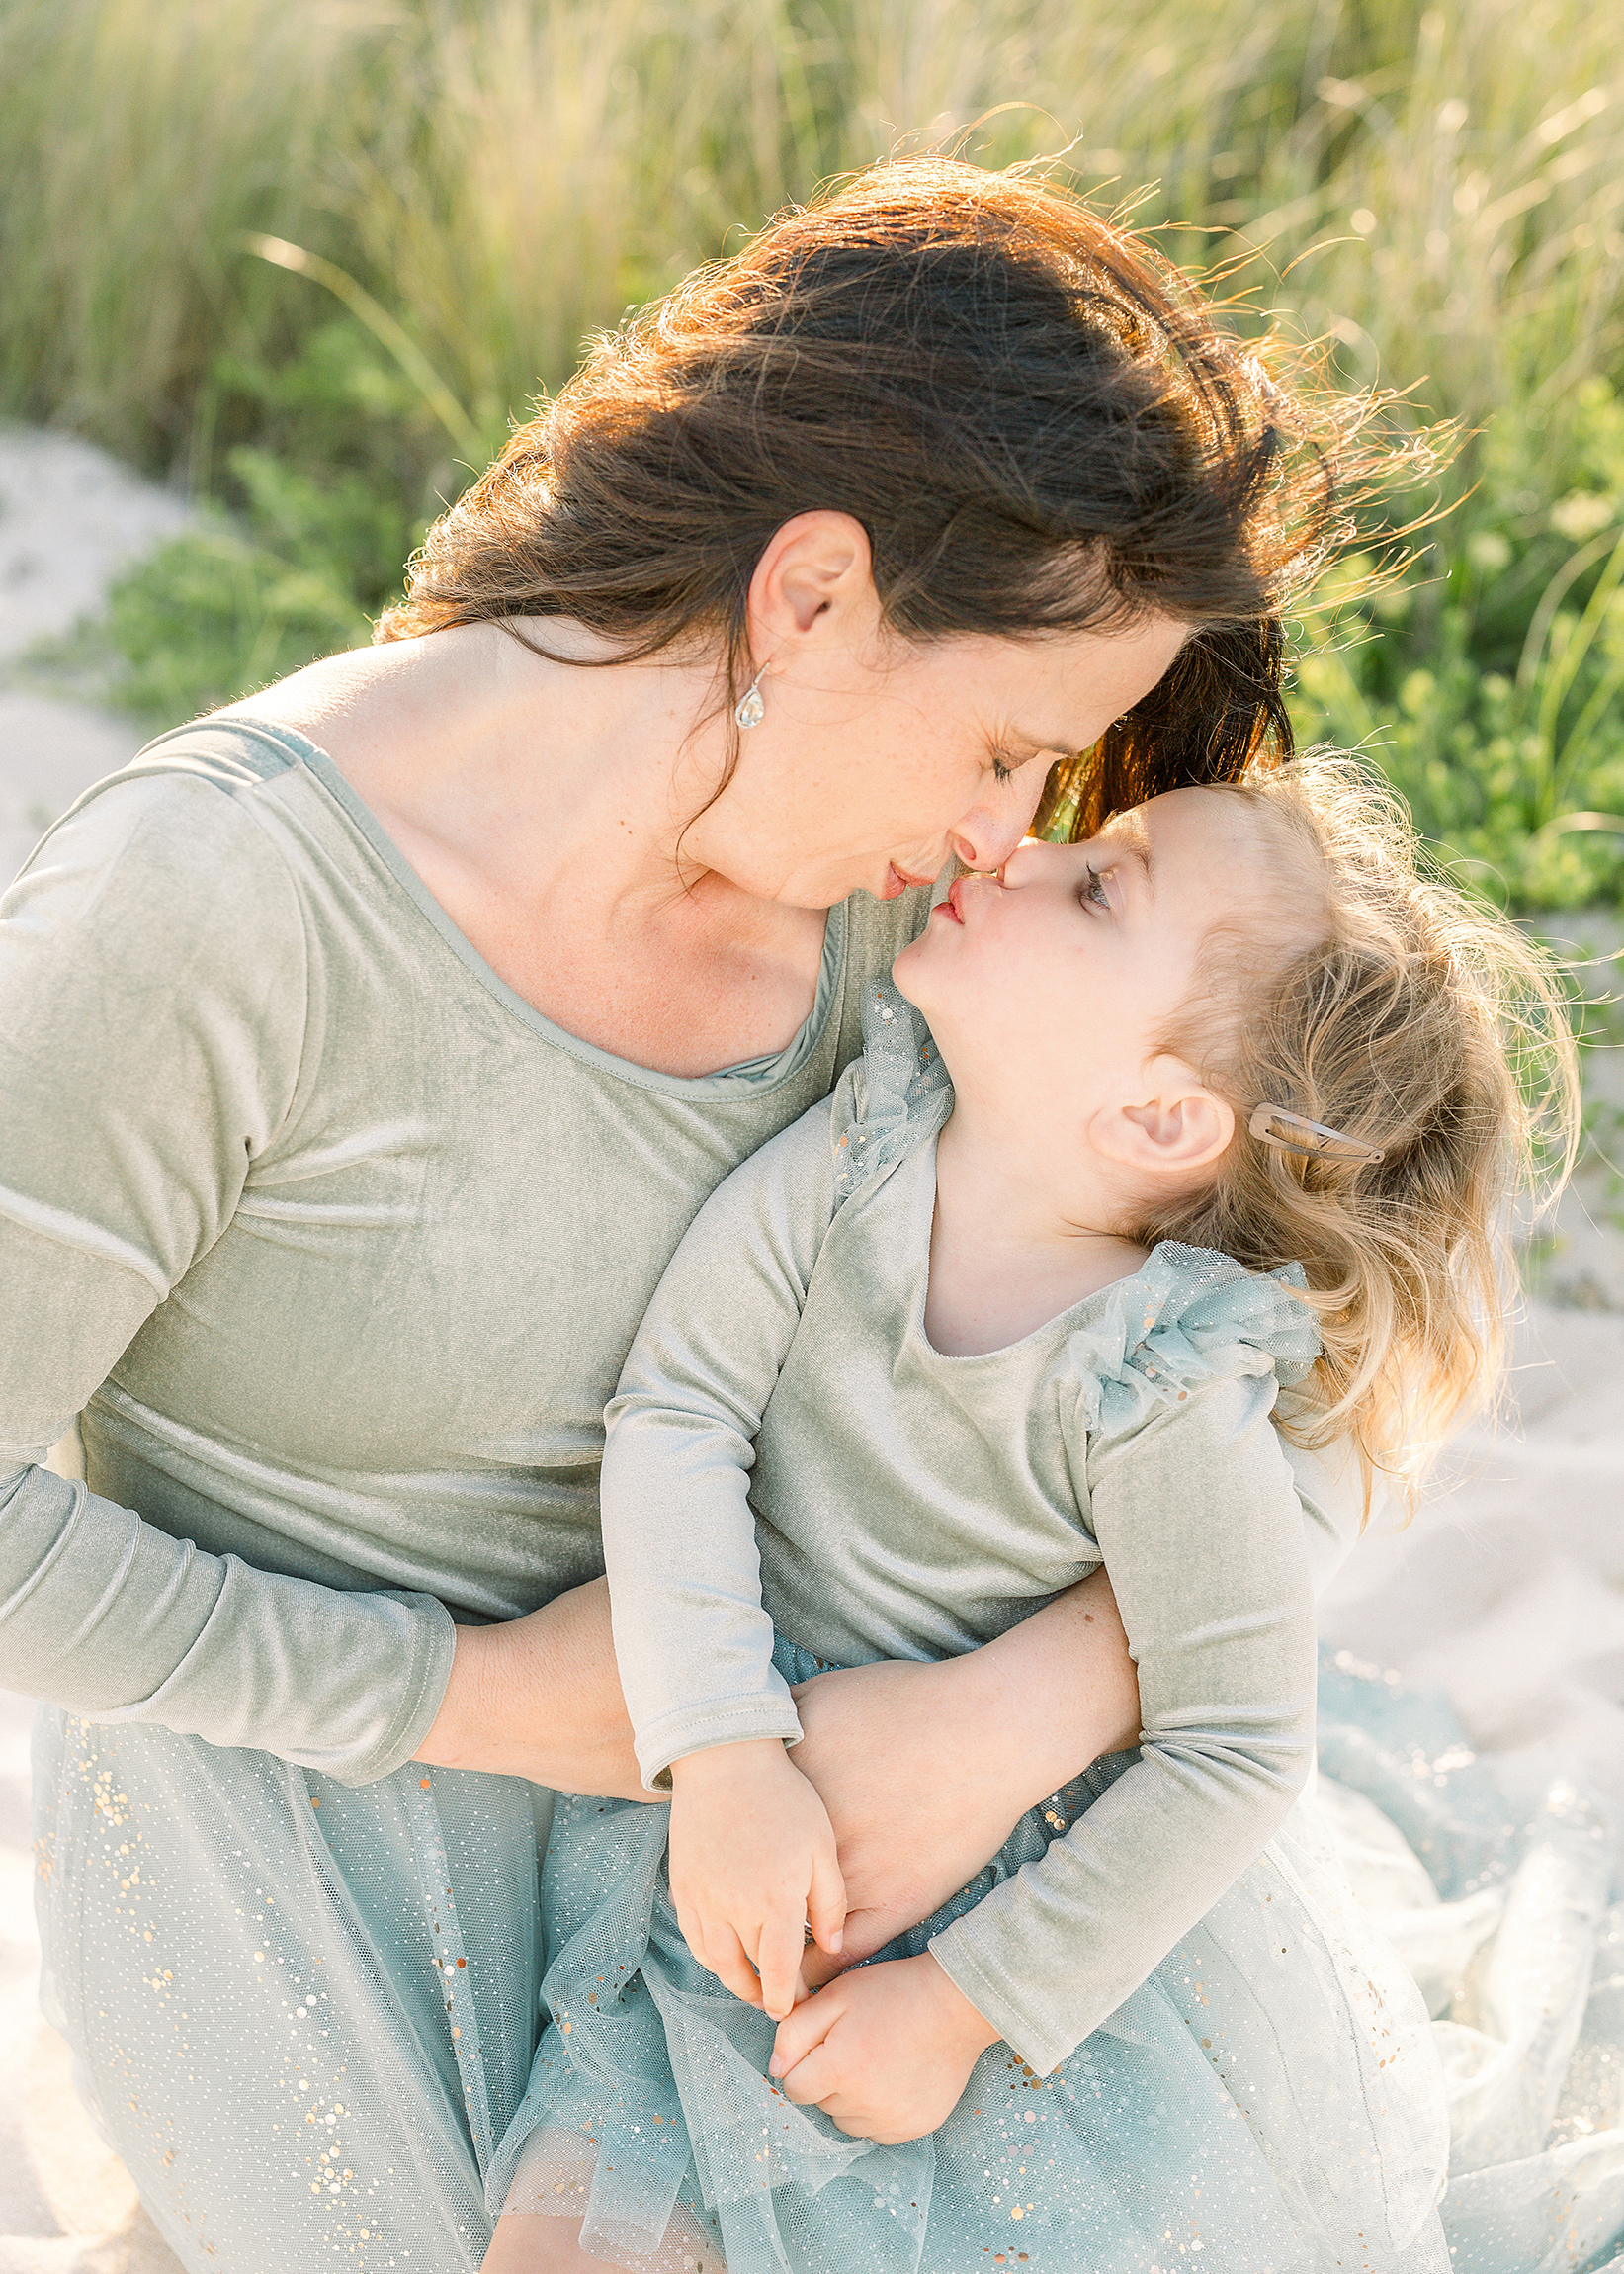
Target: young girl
{"x": 1231, "y": 1111}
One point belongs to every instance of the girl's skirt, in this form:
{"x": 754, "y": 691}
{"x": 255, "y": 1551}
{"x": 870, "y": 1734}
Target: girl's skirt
{"x": 1269, "y": 2102}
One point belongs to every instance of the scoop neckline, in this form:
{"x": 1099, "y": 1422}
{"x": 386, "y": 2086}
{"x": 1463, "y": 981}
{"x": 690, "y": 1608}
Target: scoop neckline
{"x": 1069, "y": 1319}
{"x": 750, "y": 1077}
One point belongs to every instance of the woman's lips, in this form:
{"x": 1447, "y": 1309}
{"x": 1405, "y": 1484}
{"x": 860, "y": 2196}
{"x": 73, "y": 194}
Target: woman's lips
{"x": 951, "y": 903}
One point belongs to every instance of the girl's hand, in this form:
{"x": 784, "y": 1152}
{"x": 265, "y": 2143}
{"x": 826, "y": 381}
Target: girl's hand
{"x": 752, "y": 1860}
{"x": 885, "y": 2051}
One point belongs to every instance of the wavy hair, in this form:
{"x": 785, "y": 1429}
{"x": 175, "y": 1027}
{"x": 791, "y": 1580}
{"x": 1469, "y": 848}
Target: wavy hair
{"x": 1417, "y": 1022}
{"x": 1040, "y": 423}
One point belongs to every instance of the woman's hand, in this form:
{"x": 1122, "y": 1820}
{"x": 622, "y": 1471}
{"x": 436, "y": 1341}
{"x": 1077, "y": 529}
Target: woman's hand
{"x": 926, "y": 1768}
{"x": 541, "y": 1697}
{"x": 886, "y": 2051}
{"x": 751, "y": 1859}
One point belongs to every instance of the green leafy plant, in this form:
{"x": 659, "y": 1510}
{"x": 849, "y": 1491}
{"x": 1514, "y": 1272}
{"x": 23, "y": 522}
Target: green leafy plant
{"x": 1487, "y": 680}
{"x": 313, "y": 256}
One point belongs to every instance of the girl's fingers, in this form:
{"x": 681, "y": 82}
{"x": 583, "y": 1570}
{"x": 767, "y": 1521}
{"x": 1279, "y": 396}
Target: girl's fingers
{"x": 810, "y": 2080}
{"x": 778, "y": 1961}
{"x": 827, "y": 1900}
{"x": 725, "y": 1957}
{"x": 799, "y": 2031}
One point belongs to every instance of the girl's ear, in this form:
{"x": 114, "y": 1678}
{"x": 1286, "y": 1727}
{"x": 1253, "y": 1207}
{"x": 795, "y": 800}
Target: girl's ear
{"x": 1179, "y": 1128}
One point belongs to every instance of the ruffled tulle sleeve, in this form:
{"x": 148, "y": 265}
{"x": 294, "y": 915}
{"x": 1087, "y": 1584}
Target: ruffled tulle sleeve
{"x": 898, "y": 1091}
{"x": 1189, "y": 1316}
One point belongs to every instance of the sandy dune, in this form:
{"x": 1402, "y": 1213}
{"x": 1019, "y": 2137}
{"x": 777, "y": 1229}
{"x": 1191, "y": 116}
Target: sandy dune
{"x": 1507, "y": 1591}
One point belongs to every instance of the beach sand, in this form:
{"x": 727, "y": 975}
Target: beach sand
{"x": 1507, "y": 1591}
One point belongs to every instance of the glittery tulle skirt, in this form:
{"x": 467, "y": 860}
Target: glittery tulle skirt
{"x": 302, "y": 2014}
{"x": 1270, "y": 2101}
{"x": 312, "y": 2020}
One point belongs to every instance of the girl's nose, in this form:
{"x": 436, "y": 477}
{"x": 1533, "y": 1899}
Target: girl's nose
{"x": 1020, "y": 862}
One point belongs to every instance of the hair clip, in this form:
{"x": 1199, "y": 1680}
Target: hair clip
{"x": 1307, "y": 1137}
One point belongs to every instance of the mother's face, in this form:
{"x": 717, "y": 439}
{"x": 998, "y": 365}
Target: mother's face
{"x": 877, "y": 762}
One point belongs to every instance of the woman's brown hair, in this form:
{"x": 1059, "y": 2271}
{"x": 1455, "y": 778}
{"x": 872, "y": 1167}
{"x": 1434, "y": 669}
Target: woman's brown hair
{"x": 1037, "y": 419}
{"x": 1387, "y": 1004}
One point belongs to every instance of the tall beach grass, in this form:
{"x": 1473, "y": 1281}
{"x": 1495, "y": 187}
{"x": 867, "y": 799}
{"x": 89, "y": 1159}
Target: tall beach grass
{"x": 452, "y": 192}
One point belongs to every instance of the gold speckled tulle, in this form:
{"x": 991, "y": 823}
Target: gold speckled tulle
{"x": 303, "y": 2014}
{"x": 1268, "y": 2102}
{"x": 308, "y": 2017}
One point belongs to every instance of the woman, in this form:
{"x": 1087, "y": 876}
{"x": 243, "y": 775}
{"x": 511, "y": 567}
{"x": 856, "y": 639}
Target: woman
{"x": 360, "y": 1074}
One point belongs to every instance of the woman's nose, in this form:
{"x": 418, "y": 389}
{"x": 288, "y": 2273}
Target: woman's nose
{"x": 985, "y": 836}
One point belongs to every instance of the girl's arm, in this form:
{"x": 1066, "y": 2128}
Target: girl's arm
{"x": 999, "y": 1730}
{"x": 1197, "y": 1510}
{"x": 693, "y": 1641}
{"x": 752, "y": 1852}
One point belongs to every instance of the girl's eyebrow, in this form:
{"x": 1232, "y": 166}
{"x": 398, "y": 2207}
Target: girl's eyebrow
{"x": 1137, "y": 845}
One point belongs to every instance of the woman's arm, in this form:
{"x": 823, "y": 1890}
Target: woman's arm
{"x": 153, "y": 992}
{"x": 925, "y": 1767}
{"x": 887, "y": 1746}
{"x": 541, "y": 1697}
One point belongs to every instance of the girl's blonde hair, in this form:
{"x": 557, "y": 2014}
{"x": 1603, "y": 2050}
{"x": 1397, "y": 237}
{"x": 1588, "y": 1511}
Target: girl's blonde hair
{"x": 1411, "y": 1019}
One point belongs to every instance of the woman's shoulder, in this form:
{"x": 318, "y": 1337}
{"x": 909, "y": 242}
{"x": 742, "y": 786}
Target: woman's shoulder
{"x": 168, "y": 868}
{"x": 191, "y": 800}
{"x": 1188, "y": 1317}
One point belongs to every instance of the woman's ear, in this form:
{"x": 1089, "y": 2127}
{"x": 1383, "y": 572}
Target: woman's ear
{"x": 1180, "y": 1127}
{"x": 815, "y": 567}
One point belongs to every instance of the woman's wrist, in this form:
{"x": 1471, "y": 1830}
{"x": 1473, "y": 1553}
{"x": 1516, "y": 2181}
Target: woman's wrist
{"x": 540, "y": 1697}
{"x": 457, "y": 1737}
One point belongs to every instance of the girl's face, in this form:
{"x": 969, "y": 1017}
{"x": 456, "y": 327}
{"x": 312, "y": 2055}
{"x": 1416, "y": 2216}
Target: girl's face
{"x": 1049, "y": 989}
{"x": 874, "y": 769}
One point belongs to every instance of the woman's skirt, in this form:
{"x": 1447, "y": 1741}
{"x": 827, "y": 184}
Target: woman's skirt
{"x": 302, "y": 2015}
{"x": 312, "y": 2022}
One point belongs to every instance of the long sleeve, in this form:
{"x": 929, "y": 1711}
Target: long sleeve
{"x": 693, "y": 1641}
{"x": 1198, "y": 1518}
{"x": 153, "y": 977}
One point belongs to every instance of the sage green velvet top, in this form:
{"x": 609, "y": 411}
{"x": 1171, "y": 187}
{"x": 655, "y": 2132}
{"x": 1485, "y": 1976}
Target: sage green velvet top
{"x": 337, "y": 1245}
{"x": 789, "y": 1451}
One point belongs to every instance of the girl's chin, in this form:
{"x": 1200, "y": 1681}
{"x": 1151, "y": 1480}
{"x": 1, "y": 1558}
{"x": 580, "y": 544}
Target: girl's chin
{"x": 906, "y": 962}
{"x": 903, "y": 971}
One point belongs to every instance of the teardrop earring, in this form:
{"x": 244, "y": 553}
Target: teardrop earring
{"x": 751, "y": 706}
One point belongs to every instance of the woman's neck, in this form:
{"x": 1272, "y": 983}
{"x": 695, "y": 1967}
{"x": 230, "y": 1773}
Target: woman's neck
{"x": 1013, "y": 1244}
{"x": 542, "y": 804}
